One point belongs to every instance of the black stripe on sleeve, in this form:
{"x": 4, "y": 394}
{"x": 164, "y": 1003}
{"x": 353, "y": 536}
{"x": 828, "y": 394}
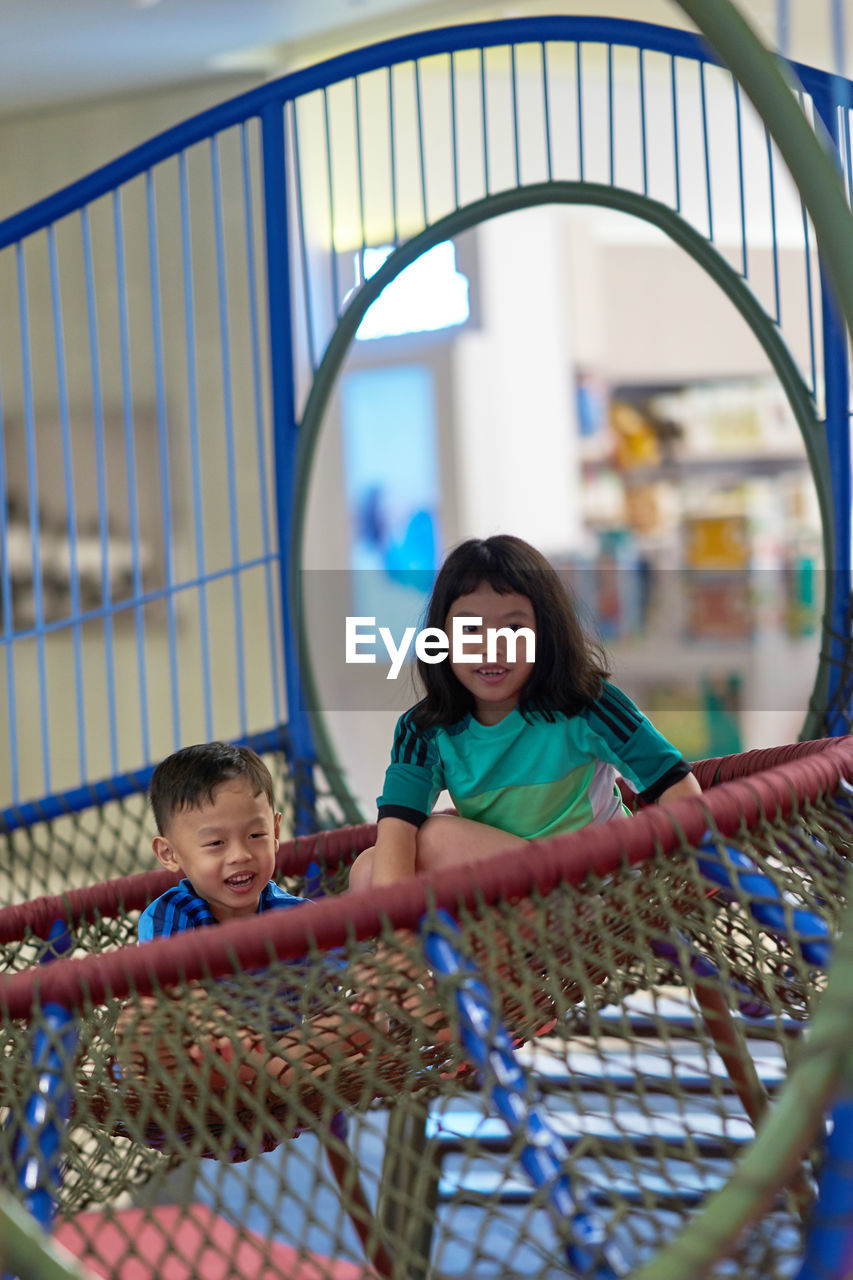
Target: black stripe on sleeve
{"x": 667, "y": 780}
{"x": 414, "y": 816}
{"x": 620, "y": 720}
{"x": 410, "y": 746}
{"x": 610, "y": 725}
{"x": 620, "y": 708}
{"x": 399, "y": 737}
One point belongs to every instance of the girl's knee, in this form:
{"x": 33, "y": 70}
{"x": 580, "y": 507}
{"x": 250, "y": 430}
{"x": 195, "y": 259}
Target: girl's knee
{"x": 361, "y": 871}
{"x": 433, "y": 837}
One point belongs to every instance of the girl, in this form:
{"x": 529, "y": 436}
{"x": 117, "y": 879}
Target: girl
{"x": 528, "y": 744}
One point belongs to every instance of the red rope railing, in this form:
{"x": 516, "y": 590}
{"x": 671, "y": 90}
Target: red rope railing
{"x": 815, "y": 770}
{"x": 113, "y": 898}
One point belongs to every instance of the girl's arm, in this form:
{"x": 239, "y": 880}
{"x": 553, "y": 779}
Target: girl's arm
{"x": 394, "y": 851}
{"x": 686, "y": 786}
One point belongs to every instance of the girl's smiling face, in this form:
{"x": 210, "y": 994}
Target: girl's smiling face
{"x": 495, "y": 687}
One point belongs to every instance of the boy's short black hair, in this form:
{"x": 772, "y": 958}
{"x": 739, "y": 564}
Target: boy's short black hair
{"x": 188, "y": 777}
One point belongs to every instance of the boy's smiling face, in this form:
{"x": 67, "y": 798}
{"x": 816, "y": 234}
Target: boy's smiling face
{"x": 225, "y": 847}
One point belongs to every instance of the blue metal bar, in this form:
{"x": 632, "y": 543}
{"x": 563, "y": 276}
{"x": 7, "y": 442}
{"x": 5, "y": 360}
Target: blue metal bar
{"x": 336, "y": 297}
{"x": 707, "y": 150}
{"x": 421, "y": 153}
{"x": 6, "y": 603}
{"x": 741, "y": 193}
{"x": 360, "y": 171}
{"x": 32, "y": 485}
{"x": 848, "y": 161}
{"x": 829, "y": 1239}
{"x": 62, "y": 804}
{"x": 809, "y": 299}
{"x": 228, "y": 412}
{"x": 303, "y": 243}
{"x": 546, "y": 105}
{"x": 485, "y": 121}
{"x": 775, "y": 240}
{"x": 285, "y": 441}
{"x": 70, "y": 501}
{"x": 579, "y": 88}
{"x": 611, "y": 161}
{"x": 37, "y": 1144}
{"x": 676, "y": 161}
{"x": 454, "y": 141}
{"x": 145, "y": 598}
{"x": 838, "y": 35}
{"x": 465, "y": 36}
{"x": 515, "y": 138}
{"x": 130, "y": 469}
{"x": 544, "y": 1156}
{"x": 392, "y": 159}
{"x": 195, "y": 445}
{"x": 101, "y": 484}
{"x": 836, "y": 376}
{"x": 260, "y": 442}
{"x": 783, "y": 26}
{"x": 644, "y": 141}
{"x": 742, "y": 882}
{"x": 163, "y": 455}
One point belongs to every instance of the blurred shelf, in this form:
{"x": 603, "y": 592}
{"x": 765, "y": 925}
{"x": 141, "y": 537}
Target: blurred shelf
{"x": 740, "y": 466}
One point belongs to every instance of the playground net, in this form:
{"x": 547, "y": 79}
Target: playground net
{"x": 624, "y": 1002}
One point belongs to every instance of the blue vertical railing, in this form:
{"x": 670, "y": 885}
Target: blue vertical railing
{"x": 154, "y": 342}
{"x": 130, "y": 473}
{"x": 98, "y": 426}
{"x": 163, "y": 459}
{"x": 257, "y": 403}
{"x": 34, "y": 517}
{"x": 285, "y": 438}
{"x": 230, "y": 444}
{"x": 197, "y": 498}
{"x": 37, "y": 1144}
{"x": 836, "y": 375}
{"x": 544, "y": 1155}
{"x": 70, "y": 502}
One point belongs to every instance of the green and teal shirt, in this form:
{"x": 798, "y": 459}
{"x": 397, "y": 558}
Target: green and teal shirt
{"x": 532, "y": 777}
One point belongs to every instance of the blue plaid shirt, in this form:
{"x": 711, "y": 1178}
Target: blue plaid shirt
{"x": 181, "y": 908}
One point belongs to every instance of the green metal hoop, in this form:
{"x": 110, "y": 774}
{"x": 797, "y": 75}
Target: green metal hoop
{"x": 624, "y": 201}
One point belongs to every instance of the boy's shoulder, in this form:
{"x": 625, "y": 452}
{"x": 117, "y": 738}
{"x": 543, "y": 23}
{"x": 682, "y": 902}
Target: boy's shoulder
{"x": 274, "y": 898}
{"x": 179, "y": 908}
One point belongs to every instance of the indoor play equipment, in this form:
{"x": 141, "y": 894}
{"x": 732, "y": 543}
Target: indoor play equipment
{"x": 637, "y": 991}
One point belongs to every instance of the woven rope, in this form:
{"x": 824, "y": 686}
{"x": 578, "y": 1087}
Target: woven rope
{"x": 597, "y": 948}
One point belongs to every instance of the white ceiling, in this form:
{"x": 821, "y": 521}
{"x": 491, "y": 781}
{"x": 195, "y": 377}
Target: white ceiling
{"x": 55, "y": 51}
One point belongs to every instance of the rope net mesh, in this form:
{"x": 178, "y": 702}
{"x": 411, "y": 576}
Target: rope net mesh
{"x": 299, "y": 1096}
{"x": 113, "y": 838}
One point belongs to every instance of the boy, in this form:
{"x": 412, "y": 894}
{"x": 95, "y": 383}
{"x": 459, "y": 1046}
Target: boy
{"x": 217, "y": 825}
{"x": 214, "y": 808}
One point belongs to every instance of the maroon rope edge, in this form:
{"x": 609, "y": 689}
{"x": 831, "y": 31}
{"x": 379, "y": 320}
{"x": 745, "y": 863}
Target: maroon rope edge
{"x": 112, "y": 898}
{"x": 804, "y": 775}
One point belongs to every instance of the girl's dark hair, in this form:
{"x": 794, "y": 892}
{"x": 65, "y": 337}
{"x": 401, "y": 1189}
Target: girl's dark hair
{"x": 187, "y": 778}
{"x": 570, "y": 666}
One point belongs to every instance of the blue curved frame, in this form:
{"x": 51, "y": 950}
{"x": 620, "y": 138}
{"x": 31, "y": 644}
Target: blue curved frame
{"x": 829, "y": 92}
{"x": 650, "y": 36}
